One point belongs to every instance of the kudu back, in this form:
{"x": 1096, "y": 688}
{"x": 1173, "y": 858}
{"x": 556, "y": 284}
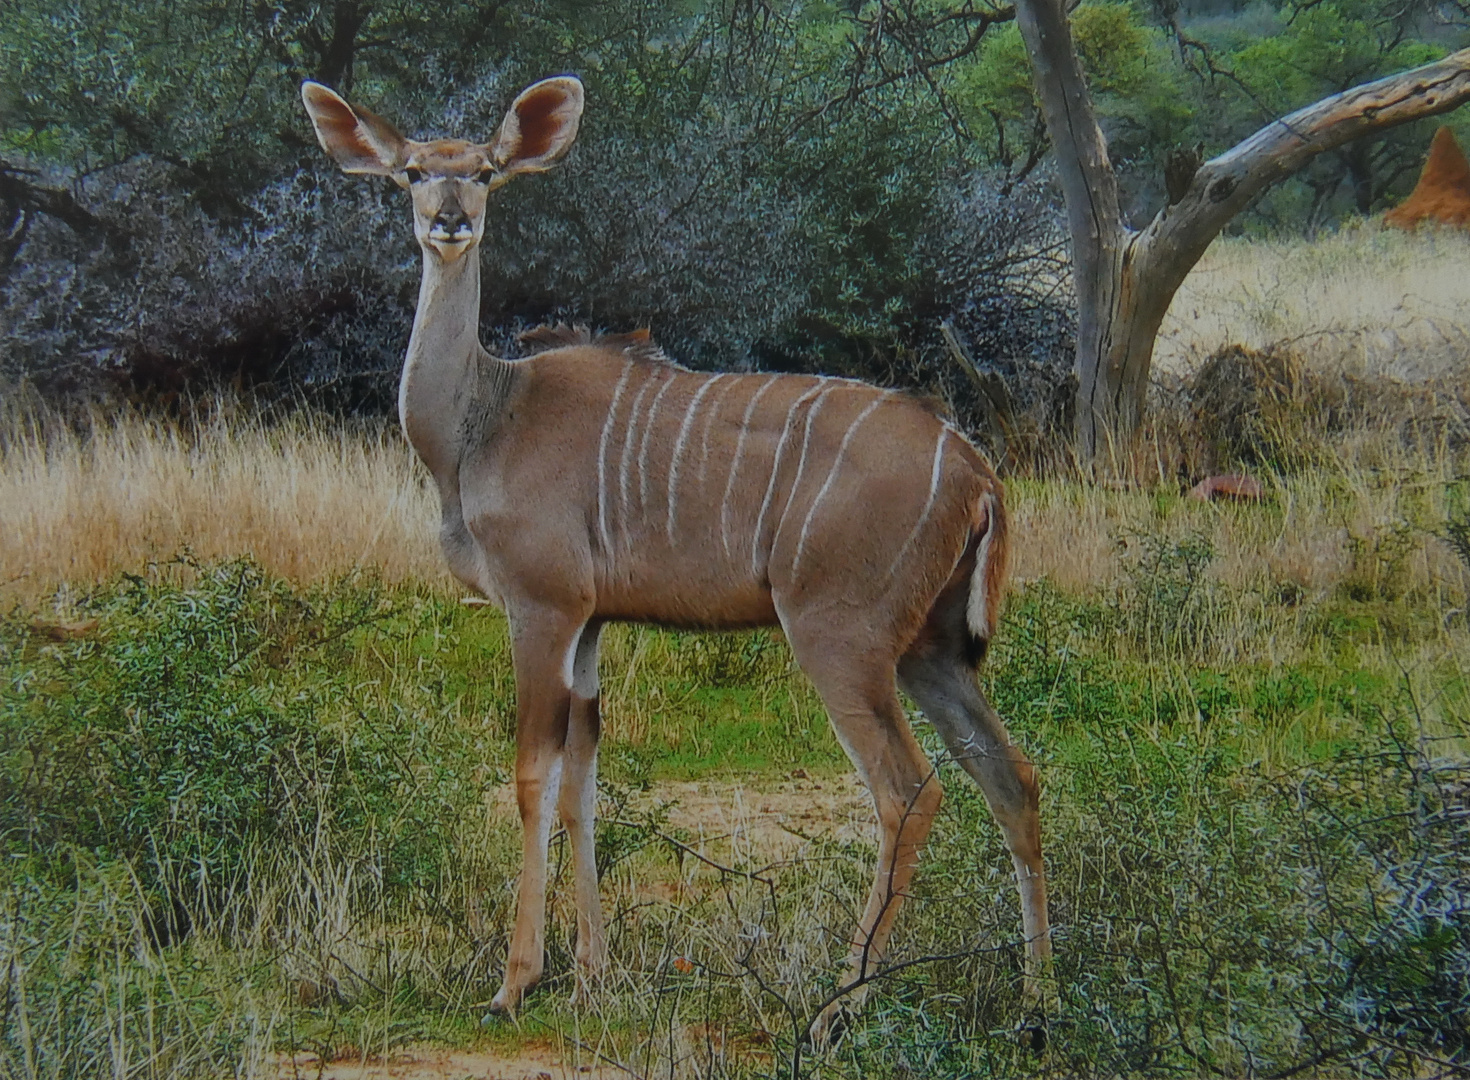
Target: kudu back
{"x": 594, "y": 481}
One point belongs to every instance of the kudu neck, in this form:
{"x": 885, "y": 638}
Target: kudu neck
{"x": 442, "y": 370}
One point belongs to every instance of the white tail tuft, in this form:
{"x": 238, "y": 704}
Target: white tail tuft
{"x": 978, "y": 614}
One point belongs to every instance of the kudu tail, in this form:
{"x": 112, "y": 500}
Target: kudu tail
{"x": 987, "y": 581}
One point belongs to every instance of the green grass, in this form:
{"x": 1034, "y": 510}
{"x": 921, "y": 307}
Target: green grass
{"x": 242, "y": 817}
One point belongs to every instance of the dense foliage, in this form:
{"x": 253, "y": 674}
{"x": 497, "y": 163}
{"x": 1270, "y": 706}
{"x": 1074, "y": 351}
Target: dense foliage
{"x": 211, "y": 719}
{"x": 241, "y": 816}
{"x": 814, "y": 185}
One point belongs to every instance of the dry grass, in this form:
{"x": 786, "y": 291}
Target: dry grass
{"x": 312, "y": 500}
{"x": 1367, "y": 300}
{"x": 308, "y": 500}
{"x": 1304, "y": 535}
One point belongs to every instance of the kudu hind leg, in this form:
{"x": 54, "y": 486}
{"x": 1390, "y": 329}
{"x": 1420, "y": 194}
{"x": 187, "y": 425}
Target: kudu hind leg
{"x": 578, "y": 806}
{"x": 869, "y": 721}
{"x": 543, "y": 644}
{"x": 946, "y": 689}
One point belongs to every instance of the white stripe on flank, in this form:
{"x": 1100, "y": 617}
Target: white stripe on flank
{"x": 627, "y": 459}
{"x": 832, "y": 476}
{"x": 643, "y": 450}
{"x": 607, "y": 426}
{"x": 735, "y": 461}
{"x": 709, "y": 423}
{"x": 760, "y": 519}
{"x": 679, "y": 447}
{"x": 806, "y": 439}
{"x": 944, "y": 433}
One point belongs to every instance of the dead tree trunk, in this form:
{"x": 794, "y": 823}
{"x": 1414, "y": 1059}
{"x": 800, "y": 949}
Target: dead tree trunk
{"x": 1124, "y": 279}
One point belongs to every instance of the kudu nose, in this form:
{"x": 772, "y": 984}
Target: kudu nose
{"x": 451, "y": 223}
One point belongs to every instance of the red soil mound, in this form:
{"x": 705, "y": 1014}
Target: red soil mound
{"x": 1443, "y": 192}
{"x": 1233, "y": 487}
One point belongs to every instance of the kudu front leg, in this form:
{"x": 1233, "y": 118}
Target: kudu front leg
{"x": 544, "y": 646}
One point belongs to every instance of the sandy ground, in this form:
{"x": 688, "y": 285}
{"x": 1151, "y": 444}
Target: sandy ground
{"x": 529, "y": 1063}
{"x": 779, "y": 819}
{"x": 724, "y": 821}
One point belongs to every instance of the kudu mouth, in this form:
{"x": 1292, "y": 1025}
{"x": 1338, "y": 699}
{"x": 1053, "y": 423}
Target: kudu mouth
{"x": 451, "y": 226}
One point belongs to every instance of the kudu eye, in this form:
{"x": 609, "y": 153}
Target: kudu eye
{"x": 484, "y": 175}
{"x": 412, "y": 175}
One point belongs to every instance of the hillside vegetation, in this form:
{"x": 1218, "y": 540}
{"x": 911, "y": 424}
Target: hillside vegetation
{"x": 255, "y": 755}
{"x": 256, "y": 810}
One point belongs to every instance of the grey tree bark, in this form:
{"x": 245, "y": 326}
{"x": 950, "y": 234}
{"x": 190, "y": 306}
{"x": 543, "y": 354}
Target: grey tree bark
{"x": 1126, "y": 279}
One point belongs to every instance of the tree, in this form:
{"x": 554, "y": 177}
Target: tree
{"x": 1326, "y": 47}
{"x": 1125, "y": 279}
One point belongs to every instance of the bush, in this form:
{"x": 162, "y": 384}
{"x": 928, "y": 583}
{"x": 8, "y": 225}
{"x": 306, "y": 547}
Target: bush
{"x": 741, "y": 233}
{"x": 1270, "y": 407}
{"x": 195, "y": 724}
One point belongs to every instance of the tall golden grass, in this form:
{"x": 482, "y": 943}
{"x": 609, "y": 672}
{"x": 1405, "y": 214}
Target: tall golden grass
{"x": 311, "y": 498}
{"x": 1366, "y": 299}
{"x": 307, "y": 499}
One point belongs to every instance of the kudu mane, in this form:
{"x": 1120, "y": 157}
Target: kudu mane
{"x": 636, "y": 345}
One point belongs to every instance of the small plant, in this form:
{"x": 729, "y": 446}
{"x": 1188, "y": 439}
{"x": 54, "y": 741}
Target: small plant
{"x": 1379, "y": 562}
{"x": 1165, "y": 605}
{"x": 1456, "y": 529}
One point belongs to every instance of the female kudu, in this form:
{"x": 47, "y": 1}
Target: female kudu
{"x": 596, "y": 481}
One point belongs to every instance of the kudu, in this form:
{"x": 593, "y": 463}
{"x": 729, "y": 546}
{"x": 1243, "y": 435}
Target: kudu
{"x": 595, "y": 481}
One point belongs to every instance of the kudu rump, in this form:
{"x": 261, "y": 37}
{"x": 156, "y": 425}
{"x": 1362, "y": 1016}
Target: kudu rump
{"x": 595, "y": 481}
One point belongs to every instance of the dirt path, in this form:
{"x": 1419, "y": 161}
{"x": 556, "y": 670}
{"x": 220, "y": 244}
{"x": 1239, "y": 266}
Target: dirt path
{"x": 528, "y": 1063}
{"x": 777, "y": 819}
{"x": 772, "y": 821}
{"x": 729, "y": 822}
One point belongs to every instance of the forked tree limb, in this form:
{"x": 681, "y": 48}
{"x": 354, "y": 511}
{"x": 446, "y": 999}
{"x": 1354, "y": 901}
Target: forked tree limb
{"x": 1224, "y": 185}
{"x": 1155, "y": 262}
{"x": 1125, "y": 280}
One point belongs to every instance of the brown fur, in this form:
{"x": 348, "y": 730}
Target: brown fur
{"x": 593, "y": 481}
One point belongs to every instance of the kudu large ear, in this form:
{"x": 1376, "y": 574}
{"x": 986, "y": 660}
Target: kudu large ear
{"x": 357, "y": 140}
{"x": 539, "y": 128}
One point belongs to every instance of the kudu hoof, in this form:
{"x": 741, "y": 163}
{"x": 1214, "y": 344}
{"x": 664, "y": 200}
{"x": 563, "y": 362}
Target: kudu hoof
{"x": 1031, "y": 1034}
{"x": 502, "y": 1006}
{"x": 835, "y": 1022}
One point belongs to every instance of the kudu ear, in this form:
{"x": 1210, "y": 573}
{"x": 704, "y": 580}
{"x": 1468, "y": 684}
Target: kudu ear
{"x": 357, "y": 140}
{"x": 539, "y": 128}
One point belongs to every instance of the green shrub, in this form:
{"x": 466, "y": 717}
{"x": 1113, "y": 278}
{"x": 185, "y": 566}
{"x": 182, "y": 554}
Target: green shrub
{"x": 198, "y": 722}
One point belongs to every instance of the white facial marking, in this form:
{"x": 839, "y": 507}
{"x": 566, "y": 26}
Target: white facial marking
{"x": 832, "y": 475}
{"x": 944, "y": 433}
{"x": 607, "y": 426}
{"x": 679, "y": 448}
{"x": 760, "y": 519}
{"x": 648, "y": 429}
{"x": 462, "y": 233}
{"x": 735, "y": 461}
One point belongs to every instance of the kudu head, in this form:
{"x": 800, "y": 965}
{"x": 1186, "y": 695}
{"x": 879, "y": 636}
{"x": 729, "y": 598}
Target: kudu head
{"x": 450, "y": 179}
